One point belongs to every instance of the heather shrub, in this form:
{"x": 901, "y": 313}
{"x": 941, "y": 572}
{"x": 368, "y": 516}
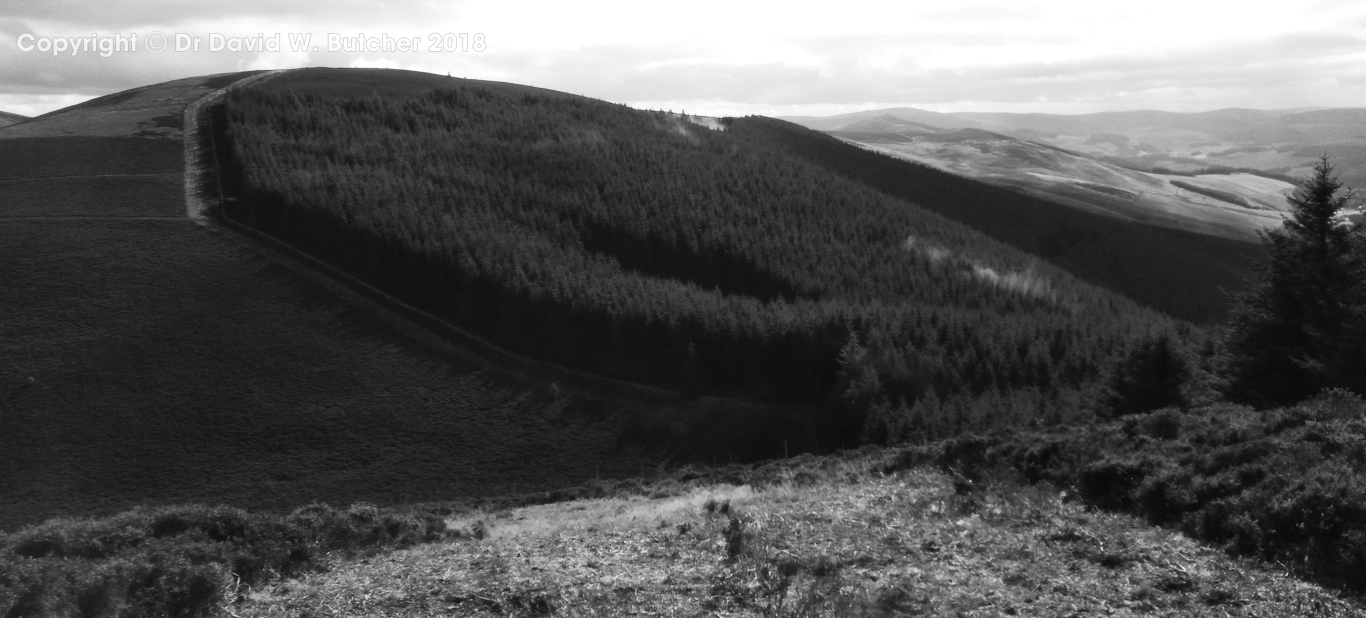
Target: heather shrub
{"x": 181, "y": 561}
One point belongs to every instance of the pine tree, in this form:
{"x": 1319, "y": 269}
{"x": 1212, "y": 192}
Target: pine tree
{"x": 1153, "y": 376}
{"x": 1299, "y": 329}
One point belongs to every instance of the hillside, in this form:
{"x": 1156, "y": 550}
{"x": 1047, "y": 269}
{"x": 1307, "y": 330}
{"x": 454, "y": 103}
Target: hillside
{"x": 1235, "y": 210}
{"x": 1184, "y": 274}
{"x": 1136, "y": 153}
{"x": 7, "y": 119}
{"x": 632, "y": 245}
{"x": 146, "y": 359}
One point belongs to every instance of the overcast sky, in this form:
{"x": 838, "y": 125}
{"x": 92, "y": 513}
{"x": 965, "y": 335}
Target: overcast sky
{"x": 733, "y": 57}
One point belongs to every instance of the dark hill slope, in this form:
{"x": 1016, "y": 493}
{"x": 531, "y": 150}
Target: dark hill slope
{"x": 634, "y": 245}
{"x": 1181, "y": 273}
{"x": 145, "y": 359}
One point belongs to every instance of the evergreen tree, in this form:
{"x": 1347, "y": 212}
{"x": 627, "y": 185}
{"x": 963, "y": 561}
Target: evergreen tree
{"x": 1299, "y": 329}
{"x": 1153, "y": 376}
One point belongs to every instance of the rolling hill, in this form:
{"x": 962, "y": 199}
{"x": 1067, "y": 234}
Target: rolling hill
{"x": 1183, "y": 273}
{"x": 1138, "y": 165}
{"x": 7, "y": 119}
{"x": 147, "y": 359}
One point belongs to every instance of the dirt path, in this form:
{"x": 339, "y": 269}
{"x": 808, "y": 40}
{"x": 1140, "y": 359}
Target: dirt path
{"x": 194, "y": 203}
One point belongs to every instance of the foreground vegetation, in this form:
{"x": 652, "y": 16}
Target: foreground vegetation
{"x": 1284, "y": 485}
{"x": 868, "y": 533}
{"x": 183, "y": 561}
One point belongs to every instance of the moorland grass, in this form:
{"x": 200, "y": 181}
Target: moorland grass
{"x": 155, "y": 362}
{"x": 152, "y": 195}
{"x": 46, "y": 157}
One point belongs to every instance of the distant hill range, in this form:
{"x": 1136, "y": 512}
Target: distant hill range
{"x": 7, "y": 119}
{"x": 1224, "y": 172}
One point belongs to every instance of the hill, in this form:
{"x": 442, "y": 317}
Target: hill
{"x": 7, "y": 119}
{"x": 146, "y": 359}
{"x": 1238, "y": 210}
{"x": 1182, "y": 273}
{"x": 1139, "y": 150}
{"x": 634, "y": 245}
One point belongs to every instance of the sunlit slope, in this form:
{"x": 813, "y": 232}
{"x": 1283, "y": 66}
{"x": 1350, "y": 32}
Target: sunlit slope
{"x": 1279, "y": 144}
{"x": 1232, "y": 207}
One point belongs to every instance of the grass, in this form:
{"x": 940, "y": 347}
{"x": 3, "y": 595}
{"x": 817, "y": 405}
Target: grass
{"x": 94, "y": 196}
{"x": 803, "y": 537}
{"x": 47, "y": 157}
{"x": 156, "y": 362}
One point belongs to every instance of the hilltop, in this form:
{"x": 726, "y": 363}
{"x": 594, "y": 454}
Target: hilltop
{"x": 7, "y": 119}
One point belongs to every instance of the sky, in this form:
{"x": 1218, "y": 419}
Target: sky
{"x": 726, "y": 57}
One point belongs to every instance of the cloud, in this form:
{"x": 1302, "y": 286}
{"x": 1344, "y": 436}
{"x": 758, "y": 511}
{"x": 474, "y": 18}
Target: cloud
{"x": 719, "y": 55}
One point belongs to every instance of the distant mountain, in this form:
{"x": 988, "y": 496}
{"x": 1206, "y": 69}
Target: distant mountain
{"x": 7, "y": 119}
{"x": 843, "y": 121}
{"x": 1167, "y": 168}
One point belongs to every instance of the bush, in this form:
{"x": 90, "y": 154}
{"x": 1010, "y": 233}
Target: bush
{"x": 1285, "y": 485}
{"x": 179, "y": 561}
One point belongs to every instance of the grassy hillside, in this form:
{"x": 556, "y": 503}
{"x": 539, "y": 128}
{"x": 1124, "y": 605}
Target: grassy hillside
{"x": 145, "y": 359}
{"x": 1181, "y": 273}
{"x": 154, "y": 362}
{"x": 91, "y": 176}
{"x": 634, "y": 245}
